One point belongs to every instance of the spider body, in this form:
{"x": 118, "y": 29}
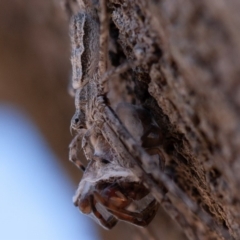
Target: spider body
{"x": 114, "y": 193}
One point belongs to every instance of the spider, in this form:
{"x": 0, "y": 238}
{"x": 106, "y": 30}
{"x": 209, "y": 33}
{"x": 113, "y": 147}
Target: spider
{"x": 108, "y": 191}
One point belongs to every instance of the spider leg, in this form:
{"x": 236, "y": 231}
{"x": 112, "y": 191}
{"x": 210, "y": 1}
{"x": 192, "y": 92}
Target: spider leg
{"x": 103, "y": 53}
{"x": 122, "y": 214}
{"x": 109, "y": 223}
{"x": 112, "y": 207}
{"x": 157, "y": 151}
{"x": 150, "y": 211}
{"x": 115, "y": 72}
{"x": 73, "y": 149}
{"x": 103, "y": 41}
{"x": 87, "y": 149}
{"x": 137, "y": 218}
{"x": 83, "y": 135}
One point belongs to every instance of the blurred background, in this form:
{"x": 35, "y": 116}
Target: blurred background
{"x": 35, "y": 110}
{"x": 37, "y": 181}
{"x": 35, "y": 191}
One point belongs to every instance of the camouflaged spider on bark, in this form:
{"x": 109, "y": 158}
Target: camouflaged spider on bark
{"x": 110, "y": 189}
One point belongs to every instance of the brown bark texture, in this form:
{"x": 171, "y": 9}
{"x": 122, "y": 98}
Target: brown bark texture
{"x": 190, "y": 83}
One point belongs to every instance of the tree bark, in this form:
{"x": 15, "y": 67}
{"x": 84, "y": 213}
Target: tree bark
{"x": 189, "y": 80}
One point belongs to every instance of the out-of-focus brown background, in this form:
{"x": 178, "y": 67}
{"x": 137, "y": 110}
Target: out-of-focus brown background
{"x": 35, "y": 67}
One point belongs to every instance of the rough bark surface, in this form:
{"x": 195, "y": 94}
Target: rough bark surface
{"x": 191, "y": 86}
